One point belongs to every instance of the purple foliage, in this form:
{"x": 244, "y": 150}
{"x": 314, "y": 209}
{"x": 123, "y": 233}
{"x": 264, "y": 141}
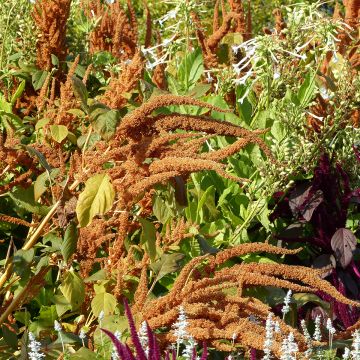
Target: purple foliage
{"x": 125, "y": 353}
{"x": 315, "y": 220}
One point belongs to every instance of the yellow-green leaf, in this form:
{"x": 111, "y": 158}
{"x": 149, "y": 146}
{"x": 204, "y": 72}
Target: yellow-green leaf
{"x": 103, "y": 302}
{"x": 58, "y": 132}
{"x": 96, "y": 199}
{"x": 73, "y": 289}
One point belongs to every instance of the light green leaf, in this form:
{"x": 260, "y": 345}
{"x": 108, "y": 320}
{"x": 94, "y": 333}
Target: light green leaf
{"x": 18, "y": 92}
{"x": 106, "y": 123}
{"x": 103, "y": 302}
{"x": 73, "y": 289}
{"x": 42, "y": 182}
{"x": 68, "y": 246}
{"x": 148, "y": 237}
{"x": 97, "y": 198}
{"x": 307, "y": 89}
{"x": 58, "y": 132}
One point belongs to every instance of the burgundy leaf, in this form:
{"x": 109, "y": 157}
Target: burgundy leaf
{"x": 343, "y": 242}
{"x": 303, "y": 201}
{"x": 326, "y": 263}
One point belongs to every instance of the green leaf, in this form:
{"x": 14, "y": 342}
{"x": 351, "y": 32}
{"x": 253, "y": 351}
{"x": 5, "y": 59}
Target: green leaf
{"x": 103, "y": 302}
{"x": 168, "y": 263}
{"x": 10, "y": 337}
{"x": 106, "y": 123}
{"x": 54, "y": 60}
{"x": 39, "y": 155}
{"x": 191, "y": 68}
{"x": 68, "y": 246}
{"x": 302, "y": 299}
{"x": 307, "y": 89}
{"x": 84, "y": 353}
{"x": 80, "y": 90}
{"x": 41, "y": 123}
{"x": 97, "y": 198}
{"x": 42, "y": 182}
{"x": 38, "y": 79}
{"x": 73, "y": 289}
{"x": 62, "y": 305}
{"x": 148, "y": 237}
{"x": 58, "y": 132}
{"x": 18, "y": 92}
{"x": 22, "y": 261}
{"x": 25, "y": 199}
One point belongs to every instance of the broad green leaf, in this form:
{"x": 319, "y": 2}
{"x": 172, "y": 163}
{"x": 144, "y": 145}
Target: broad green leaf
{"x": 307, "y": 89}
{"x": 96, "y": 199}
{"x": 103, "y": 302}
{"x": 84, "y": 353}
{"x": 160, "y": 209}
{"x": 25, "y": 199}
{"x": 80, "y": 90}
{"x": 22, "y": 261}
{"x": 73, "y": 289}
{"x": 106, "y": 123}
{"x": 302, "y": 299}
{"x": 58, "y": 132}
{"x": 38, "y": 79}
{"x": 148, "y": 237}
{"x": 68, "y": 246}
{"x": 54, "y": 60}
{"x": 62, "y": 305}
{"x": 42, "y": 182}
{"x": 41, "y": 123}
{"x": 93, "y": 139}
{"x": 168, "y": 263}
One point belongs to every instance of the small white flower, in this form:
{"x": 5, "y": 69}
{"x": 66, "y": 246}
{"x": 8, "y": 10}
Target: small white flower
{"x": 346, "y": 354}
{"x": 317, "y": 333}
{"x": 269, "y": 328}
{"x": 57, "y": 326}
{"x": 35, "y": 347}
{"x": 276, "y": 74}
{"x": 330, "y": 327}
{"x": 189, "y": 348}
{"x": 180, "y": 326}
{"x": 355, "y": 353}
{"x": 287, "y": 300}
{"x": 110, "y": 2}
{"x": 289, "y": 348}
{"x": 143, "y": 337}
{"x": 82, "y": 334}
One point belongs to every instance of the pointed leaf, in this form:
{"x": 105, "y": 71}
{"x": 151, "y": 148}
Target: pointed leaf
{"x": 97, "y": 198}
{"x": 167, "y": 264}
{"x": 73, "y": 289}
{"x": 59, "y": 132}
{"x": 103, "y": 302}
{"x": 68, "y": 246}
{"x": 343, "y": 242}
